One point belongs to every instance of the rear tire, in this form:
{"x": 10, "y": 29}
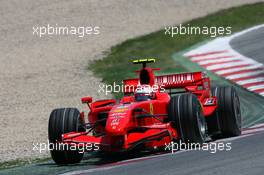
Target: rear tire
{"x": 228, "y": 112}
{"x": 62, "y": 121}
{"x": 186, "y": 113}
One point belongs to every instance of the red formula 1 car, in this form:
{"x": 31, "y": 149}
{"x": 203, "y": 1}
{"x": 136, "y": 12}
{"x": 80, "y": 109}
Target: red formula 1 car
{"x": 154, "y": 111}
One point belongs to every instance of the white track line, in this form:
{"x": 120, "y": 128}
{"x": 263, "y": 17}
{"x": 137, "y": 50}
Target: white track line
{"x": 257, "y": 87}
{"x": 252, "y": 131}
{"x": 202, "y": 54}
{"x": 220, "y": 60}
{"x": 242, "y": 75}
{"x": 255, "y": 66}
{"x": 254, "y": 80}
{"x": 257, "y": 125}
{"x": 209, "y": 57}
{"x": 228, "y": 65}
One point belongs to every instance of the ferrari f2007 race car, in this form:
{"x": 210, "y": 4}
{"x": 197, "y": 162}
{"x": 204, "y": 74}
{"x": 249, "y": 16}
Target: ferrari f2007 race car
{"x": 154, "y": 111}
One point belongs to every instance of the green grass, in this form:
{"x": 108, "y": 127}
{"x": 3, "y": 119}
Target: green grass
{"x": 116, "y": 66}
{"x": 21, "y": 162}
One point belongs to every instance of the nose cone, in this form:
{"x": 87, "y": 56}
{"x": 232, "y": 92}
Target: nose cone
{"x": 118, "y": 120}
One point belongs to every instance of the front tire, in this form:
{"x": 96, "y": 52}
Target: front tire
{"x": 186, "y": 113}
{"x": 62, "y": 121}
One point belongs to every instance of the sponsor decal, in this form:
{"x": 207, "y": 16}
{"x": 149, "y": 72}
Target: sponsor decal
{"x": 209, "y": 101}
{"x": 115, "y": 122}
{"x": 121, "y": 110}
{"x": 151, "y": 108}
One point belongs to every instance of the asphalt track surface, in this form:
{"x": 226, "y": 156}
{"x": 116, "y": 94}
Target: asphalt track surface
{"x": 246, "y": 156}
{"x": 242, "y": 159}
{"x": 251, "y": 44}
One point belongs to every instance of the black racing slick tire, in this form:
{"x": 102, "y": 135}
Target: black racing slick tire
{"x": 62, "y": 121}
{"x": 185, "y": 111}
{"x": 228, "y": 112}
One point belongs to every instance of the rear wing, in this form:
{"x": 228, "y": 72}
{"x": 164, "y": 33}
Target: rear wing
{"x": 171, "y": 81}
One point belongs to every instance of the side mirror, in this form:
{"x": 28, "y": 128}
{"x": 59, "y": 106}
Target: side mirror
{"x": 87, "y": 99}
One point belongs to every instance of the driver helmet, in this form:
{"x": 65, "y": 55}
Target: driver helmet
{"x": 143, "y": 93}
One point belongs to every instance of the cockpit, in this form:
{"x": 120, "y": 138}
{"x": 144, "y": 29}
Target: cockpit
{"x": 144, "y": 93}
